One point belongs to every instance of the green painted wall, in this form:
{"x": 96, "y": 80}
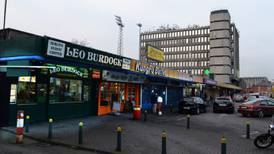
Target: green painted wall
{"x": 21, "y": 47}
{"x": 68, "y": 110}
{"x": 37, "y": 112}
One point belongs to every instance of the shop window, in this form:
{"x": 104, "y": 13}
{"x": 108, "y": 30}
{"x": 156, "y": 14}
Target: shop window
{"x": 41, "y": 93}
{"x": 112, "y": 92}
{"x": 86, "y": 93}
{"x": 26, "y": 90}
{"x": 13, "y": 93}
{"x": 104, "y": 94}
{"x": 65, "y": 90}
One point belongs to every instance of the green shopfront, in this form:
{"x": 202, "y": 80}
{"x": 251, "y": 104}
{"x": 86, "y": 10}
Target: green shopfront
{"x": 46, "y": 77}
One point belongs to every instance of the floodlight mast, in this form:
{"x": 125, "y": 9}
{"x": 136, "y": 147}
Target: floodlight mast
{"x": 140, "y": 27}
{"x": 120, "y": 40}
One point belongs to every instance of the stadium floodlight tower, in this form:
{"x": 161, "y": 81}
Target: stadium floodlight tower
{"x": 120, "y": 40}
{"x": 140, "y": 27}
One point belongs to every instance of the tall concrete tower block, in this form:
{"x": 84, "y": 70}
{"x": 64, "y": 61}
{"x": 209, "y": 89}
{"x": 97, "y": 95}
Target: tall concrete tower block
{"x": 220, "y": 45}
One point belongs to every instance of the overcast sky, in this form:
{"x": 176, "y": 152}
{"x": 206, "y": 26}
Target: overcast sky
{"x": 93, "y": 21}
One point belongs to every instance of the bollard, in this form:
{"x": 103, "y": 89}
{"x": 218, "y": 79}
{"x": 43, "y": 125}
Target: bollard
{"x": 27, "y": 123}
{"x": 188, "y": 122}
{"x": 164, "y": 136}
{"x": 50, "y": 128}
{"x": 20, "y": 127}
{"x": 119, "y": 138}
{"x": 145, "y": 115}
{"x": 248, "y": 130}
{"x": 80, "y": 139}
{"x": 223, "y": 145}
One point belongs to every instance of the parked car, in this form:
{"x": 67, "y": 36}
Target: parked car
{"x": 257, "y": 107}
{"x": 253, "y": 96}
{"x": 223, "y": 104}
{"x": 194, "y": 105}
{"x": 238, "y": 98}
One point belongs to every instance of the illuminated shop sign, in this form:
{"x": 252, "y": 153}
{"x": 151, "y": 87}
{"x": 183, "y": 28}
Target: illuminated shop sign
{"x": 149, "y": 69}
{"x": 121, "y": 77}
{"x": 84, "y": 54}
{"x": 67, "y": 69}
{"x": 210, "y": 82}
{"x": 172, "y": 74}
{"x": 185, "y": 77}
{"x": 27, "y": 79}
{"x": 198, "y": 79}
{"x": 96, "y": 74}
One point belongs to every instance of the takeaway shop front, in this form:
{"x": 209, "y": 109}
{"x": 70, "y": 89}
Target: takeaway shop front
{"x": 119, "y": 92}
{"x": 47, "y": 77}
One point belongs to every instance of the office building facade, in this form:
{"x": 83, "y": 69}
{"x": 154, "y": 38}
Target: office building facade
{"x": 195, "y": 49}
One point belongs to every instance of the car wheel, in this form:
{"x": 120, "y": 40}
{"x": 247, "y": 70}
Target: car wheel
{"x": 197, "y": 111}
{"x": 261, "y": 114}
{"x": 244, "y": 115}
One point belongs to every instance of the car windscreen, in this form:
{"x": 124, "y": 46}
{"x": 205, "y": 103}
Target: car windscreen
{"x": 251, "y": 98}
{"x": 252, "y": 101}
{"x": 189, "y": 100}
{"x": 223, "y": 100}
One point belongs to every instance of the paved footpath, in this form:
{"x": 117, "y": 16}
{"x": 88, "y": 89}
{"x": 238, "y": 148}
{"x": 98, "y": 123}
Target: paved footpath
{"x": 141, "y": 137}
{"x": 8, "y": 146}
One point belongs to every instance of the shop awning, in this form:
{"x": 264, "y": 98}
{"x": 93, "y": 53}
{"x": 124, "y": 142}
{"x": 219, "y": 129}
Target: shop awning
{"x": 229, "y": 86}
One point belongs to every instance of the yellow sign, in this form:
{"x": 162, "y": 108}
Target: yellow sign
{"x": 155, "y": 54}
{"x": 272, "y": 90}
{"x": 27, "y": 79}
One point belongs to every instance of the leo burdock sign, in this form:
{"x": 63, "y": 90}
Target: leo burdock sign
{"x": 71, "y": 51}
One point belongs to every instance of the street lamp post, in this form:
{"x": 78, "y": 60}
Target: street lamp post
{"x": 5, "y": 10}
{"x": 140, "y": 27}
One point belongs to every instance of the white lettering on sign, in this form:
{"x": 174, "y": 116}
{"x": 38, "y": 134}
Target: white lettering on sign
{"x": 56, "y": 49}
{"x": 149, "y": 69}
{"x": 66, "y": 69}
{"x": 62, "y": 50}
{"x": 126, "y": 64}
{"x": 75, "y": 53}
{"x": 94, "y": 57}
